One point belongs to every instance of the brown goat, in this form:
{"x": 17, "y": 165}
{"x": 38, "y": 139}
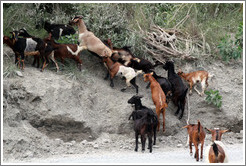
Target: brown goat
{"x": 215, "y": 153}
{"x": 87, "y": 40}
{"x": 158, "y": 97}
{"x": 62, "y": 51}
{"x": 195, "y": 77}
{"x": 117, "y": 69}
{"x": 196, "y": 136}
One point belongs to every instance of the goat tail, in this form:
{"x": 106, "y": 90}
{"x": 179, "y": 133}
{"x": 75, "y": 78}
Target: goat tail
{"x": 198, "y": 126}
{"x": 139, "y": 72}
{"x": 79, "y": 49}
{"x": 188, "y": 109}
{"x": 215, "y": 149}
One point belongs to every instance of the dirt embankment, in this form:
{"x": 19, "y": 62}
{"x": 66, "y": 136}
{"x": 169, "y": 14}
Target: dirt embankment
{"x": 45, "y": 113}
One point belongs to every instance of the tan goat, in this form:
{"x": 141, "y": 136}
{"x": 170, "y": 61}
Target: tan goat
{"x": 195, "y": 77}
{"x": 87, "y": 40}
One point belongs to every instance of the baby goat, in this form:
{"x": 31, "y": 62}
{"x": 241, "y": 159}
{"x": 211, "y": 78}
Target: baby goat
{"x": 196, "y": 136}
{"x": 158, "y": 98}
{"x": 215, "y": 152}
{"x": 195, "y": 77}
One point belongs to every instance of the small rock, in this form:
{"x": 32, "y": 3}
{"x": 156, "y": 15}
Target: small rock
{"x": 84, "y": 142}
{"x": 18, "y": 73}
{"x": 179, "y": 145}
{"x": 241, "y": 132}
{"x": 155, "y": 146}
{"x": 95, "y": 146}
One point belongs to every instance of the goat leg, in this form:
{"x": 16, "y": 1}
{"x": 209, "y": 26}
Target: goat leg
{"x": 136, "y": 141}
{"x": 150, "y": 142}
{"x": 143, "y": 140}
{"x": 107, "y": 75}
{"x": 197, "y": 90}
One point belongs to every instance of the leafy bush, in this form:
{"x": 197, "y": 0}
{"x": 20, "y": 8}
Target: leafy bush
{"x": 232, "y": 48}
{"x": 213, "y": 97}
{"x": 68, "y": 39}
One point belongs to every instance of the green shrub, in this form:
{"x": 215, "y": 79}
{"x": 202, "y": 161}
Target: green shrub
{"x": 213, "y": 97}
{"x": 232, "y": 48}
{"x": 68, "y": 39}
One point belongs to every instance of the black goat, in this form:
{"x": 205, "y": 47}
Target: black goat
{"x": 144, "y": 126}
{"x": 47, "y": 47}
{"x": 141, "y": 111}
{"x": 165, "y": 85}
{"x": 179, "y": 90}
{"x": 27, "y": 46}
{"x": 58, "y": 30}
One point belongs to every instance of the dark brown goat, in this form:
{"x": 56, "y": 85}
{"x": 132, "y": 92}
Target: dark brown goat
{"x": 62, "y": 51}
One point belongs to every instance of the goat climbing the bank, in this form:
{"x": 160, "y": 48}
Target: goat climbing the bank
{"x": 179, "y": 90}
{"x": 165, "y": 85}
{"x": 158, "y": 97}
{"x": 62, "y": 51}
{"x": 87, "y": 40}
{"x": 117, "y": 69}
{"x": 215, "y": 152}
{"x": 58, "y": 30}
{"x": 142, "y": 110}
{"x": 196, "y": 136}
{"x": 195, "y": 77}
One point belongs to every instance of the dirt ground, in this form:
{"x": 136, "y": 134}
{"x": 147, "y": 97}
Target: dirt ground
{"x": 47, "y": 116}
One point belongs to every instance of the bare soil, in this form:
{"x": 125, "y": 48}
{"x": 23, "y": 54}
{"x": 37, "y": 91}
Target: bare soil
{"x": 49, "y": 115}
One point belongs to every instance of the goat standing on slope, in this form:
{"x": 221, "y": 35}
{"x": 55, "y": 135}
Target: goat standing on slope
{"x": 196, "y": 136}
{"x": 195, "y": 77}
{"x": 116, "y": 69}
{"x": 179, "y": 90}
{"x": 215, "y": 152}
{"x": 158, "y": 97}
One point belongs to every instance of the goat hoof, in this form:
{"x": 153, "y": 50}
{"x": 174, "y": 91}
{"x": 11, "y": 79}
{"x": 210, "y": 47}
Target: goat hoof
{"x": 191, "y": 154}
{"x": 123, "y": 90}
{"x": 136, "y": 150}
{"x": 112, "y": 85}
{"x": 180, "y": 117}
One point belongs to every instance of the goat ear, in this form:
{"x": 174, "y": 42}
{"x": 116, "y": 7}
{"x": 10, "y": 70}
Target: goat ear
{"x": 140, "y": 96}
{"x": 185, "y": 126}
{"x": 224, "y": 131}
{"x": 208, "y": 129}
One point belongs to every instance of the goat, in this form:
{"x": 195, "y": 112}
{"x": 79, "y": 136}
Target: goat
{"x": 158, "y": 98}
{"x": 62, "y": 51}
{"x": 179, "y": 90}
{"x": 124, "y": 54}
{"x": 215, "y": 152}
{"x": 141, "y": 111}
{"x": 87, "y": 40}
{"x": 26, "y": 46}
{"x": 47, "y": 51}
{"x": 116, "y": 69}
{"x": 58, "y": 30}
{"x": 196, "y": 136}
{"x": 165, "y": 85}
{"x": 144, "y": 126}
{"x": 195, "y": 77}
